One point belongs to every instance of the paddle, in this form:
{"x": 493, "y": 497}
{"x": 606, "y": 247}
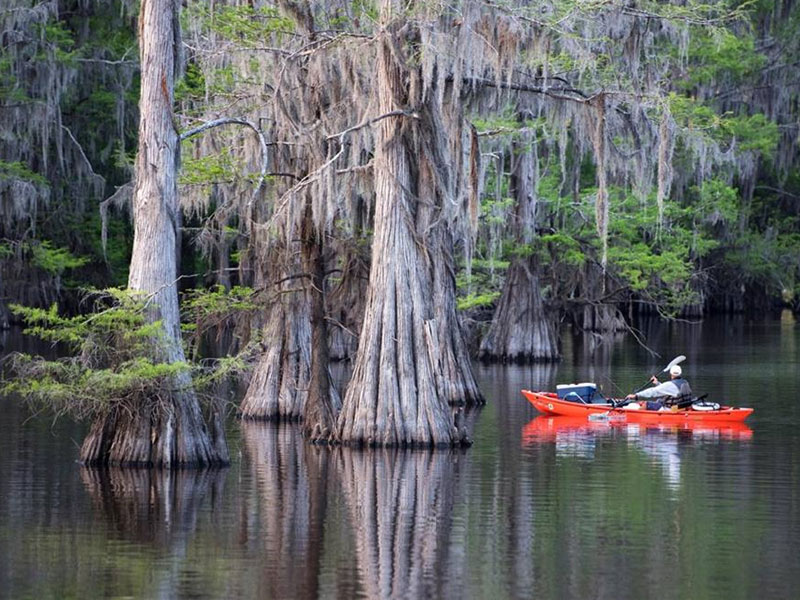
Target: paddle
{"x": 675, "y": 361}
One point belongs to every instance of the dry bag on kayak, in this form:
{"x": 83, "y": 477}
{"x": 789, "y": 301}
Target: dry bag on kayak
{"x": 585, "y": 393}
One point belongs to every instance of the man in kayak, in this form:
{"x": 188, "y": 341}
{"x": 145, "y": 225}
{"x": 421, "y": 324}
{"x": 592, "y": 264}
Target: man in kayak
{"x": 667, "y": 393}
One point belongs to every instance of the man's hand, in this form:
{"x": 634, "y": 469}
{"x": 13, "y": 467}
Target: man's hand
{"x": 630, "y": 397}
{"x": 654, "y": 380}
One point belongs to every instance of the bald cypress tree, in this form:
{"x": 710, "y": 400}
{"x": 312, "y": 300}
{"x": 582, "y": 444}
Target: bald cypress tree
{"x": 168, "y": 431}
{"x": 411, "y": 354}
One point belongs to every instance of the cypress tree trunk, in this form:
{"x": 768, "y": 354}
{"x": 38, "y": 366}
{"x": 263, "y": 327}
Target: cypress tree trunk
{"x": 520, "y": 330}
{"x": 398, "y": 394}
{"x": 596, "y": 315}
{"x": 322, "y": 402}
{"x": 280, "y": 382}
{"x": 168, "y": 431}
{"x": 345, "y": 305}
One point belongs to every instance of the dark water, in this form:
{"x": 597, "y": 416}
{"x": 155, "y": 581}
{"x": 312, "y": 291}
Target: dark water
{"x": 535, "y": 508}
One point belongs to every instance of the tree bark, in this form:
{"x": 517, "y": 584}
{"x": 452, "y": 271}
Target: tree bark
{"x": 280, "y": 382}
{"x": 345, "y": 306}
{"x": 596, "y": 315}
{"x": 521, "y": 330}
{"x": 322, "y": 402}
{"x": 168, "y": 431}
{"x": 399, "y": 393}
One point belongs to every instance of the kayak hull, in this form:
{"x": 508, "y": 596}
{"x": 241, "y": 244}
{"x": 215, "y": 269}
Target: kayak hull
{"x": 549, "y": 404}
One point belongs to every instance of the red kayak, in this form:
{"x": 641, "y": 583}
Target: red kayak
{"x": 549, "y": 404}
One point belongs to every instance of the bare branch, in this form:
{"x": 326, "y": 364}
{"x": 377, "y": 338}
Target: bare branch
{"x": 237, "y": 121}
{"x": 100, "y": 178}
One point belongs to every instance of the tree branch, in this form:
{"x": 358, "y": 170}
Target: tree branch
{"x": 236, "y": 121}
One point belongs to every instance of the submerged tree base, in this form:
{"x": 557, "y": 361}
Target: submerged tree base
{"x": 171, "y": 434}
{"x": 520, "y": 331}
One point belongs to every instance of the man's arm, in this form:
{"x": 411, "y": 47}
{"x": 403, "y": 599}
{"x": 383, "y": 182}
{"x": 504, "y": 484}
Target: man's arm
{"x": 663, "y": 389}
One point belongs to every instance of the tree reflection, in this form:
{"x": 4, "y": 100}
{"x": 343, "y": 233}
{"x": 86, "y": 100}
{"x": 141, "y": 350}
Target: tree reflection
{"x": 291, "y": 480}
{"x": 156, "y": 510}
{"x": 401, "y": 505}
{"x": 152, "y": 506}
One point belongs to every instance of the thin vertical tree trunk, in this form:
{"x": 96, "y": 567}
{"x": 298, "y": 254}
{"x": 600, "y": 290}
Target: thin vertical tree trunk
{"x": 601, "y": 202}
{"x": 4, "y": 324}
{"x": 169, "y": 431}
{"x": 521, "y": 330}
{"x": 397, "y": 394}
{"x": 322, "y": 402}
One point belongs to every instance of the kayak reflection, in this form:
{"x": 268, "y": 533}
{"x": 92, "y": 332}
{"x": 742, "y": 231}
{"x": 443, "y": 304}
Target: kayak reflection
{"x": 548, "y": 429}
{"x": 576, "y": 437}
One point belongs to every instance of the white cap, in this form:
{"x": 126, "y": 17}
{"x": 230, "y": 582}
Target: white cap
{"x": 675, "y": 370}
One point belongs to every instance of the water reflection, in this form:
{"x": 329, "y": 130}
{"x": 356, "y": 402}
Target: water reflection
{"x": 283, "y": 516}
{"x": 538, "y": 508}
{"x": 662, "y": 443}
{"x": 401, "y": 507}
{"x": 151, "y": 518}
{"x": 149, "y": 506}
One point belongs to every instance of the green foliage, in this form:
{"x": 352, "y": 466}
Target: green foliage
{"x": 717, "y": 202}
{"x": 245, "y": 25}
{"x": 55, "y": 260}
{"x": 203, "y": 310}
{"x": 60, "y": 41}
{"x": 477, "y": 300}
{"x": 721, "y": 55}
{"x": 767, "y": 262}
{"x": 192, "y": 85}
{"x": 115, "y": 357}
{"x": 10, "y": 90}
{"x": 109, "y": 39}
{"x": 210, "y": 169}
{"x": 753, "y": 133}
{"x": 18, "y": 170}
{"x": 562, "y": 245}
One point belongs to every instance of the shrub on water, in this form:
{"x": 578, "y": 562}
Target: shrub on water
{"x": 114, "y": 355}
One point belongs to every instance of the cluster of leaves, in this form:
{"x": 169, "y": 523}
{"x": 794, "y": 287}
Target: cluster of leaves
{"x": 211, "y": 169}
{"x": 51, "y": 261}
{"x": 55, "y": 260}
{"x": 18, "y": 170}
{"x": 206, "y": 310}
{"x": 117, "y": 354}
{"x": 246, "y": 25}
{"x": 755, "y": 133}
{"x": 114, "y": 356}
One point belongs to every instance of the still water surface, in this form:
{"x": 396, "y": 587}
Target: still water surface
{"x": 535, "y": 509}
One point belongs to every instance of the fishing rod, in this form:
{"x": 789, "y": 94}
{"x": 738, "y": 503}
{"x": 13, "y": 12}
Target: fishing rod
{"x": 675, "y": 361}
